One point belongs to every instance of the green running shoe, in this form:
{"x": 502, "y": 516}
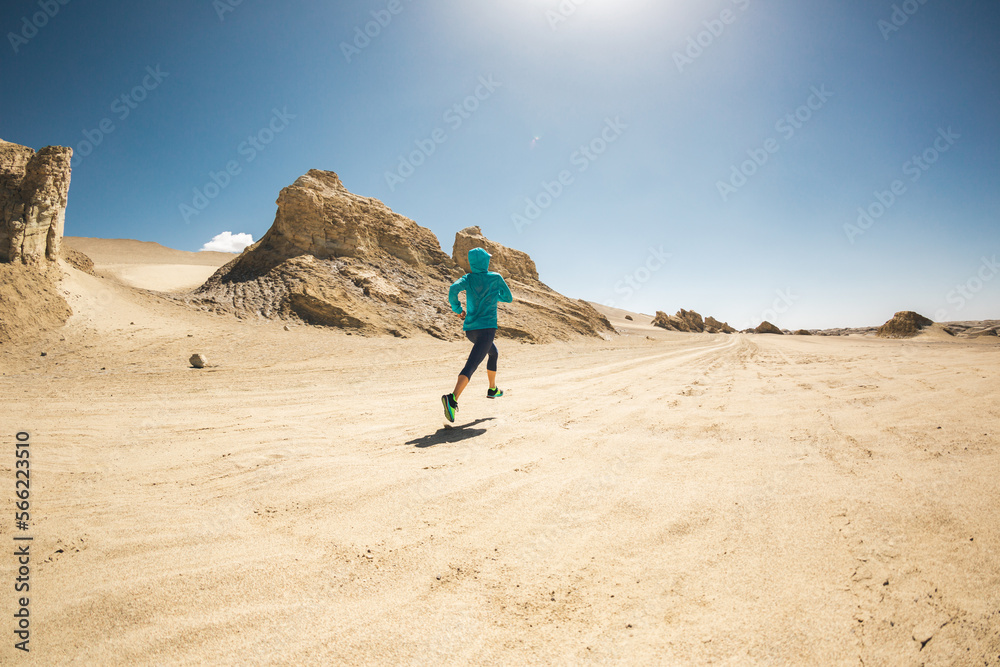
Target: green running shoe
{"x": 450, "y": 407}
{"x": 496, "y": 392}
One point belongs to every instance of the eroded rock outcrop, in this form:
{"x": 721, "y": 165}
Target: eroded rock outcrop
{"x": 34, "y": 189}
{"x": 318, "y": 216}
{"x": 904, "y": 324}
{"x": 689, "y": 321}
{"x": 713, "y": 325}
{"x": 337, "y": 259}
{"x": 538, "y": 311}
{"x": 766, "y": 327}
{"x": 506, "y": 261}
{"x": 33, "y": 193}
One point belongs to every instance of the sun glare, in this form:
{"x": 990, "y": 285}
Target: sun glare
{"x": 560, "y": 12}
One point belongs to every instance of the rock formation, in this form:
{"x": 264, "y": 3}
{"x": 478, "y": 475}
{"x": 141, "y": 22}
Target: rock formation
{"x": 962, "y": 329}
{"x": 34, "y": 188}
{"x": 689, "y": 321}
{"x": 847, "y": 331}
{"x": 904, "y": 324}
{"x": 338, "y": 259}
{"x": 506, "y": 261}
{"x": 766, "y": 327}
{"x": 33, "y": 194}
{"x": 538, "y": 311}
{"x": 974, "y": 329}
{"x": 318, "y": 216}
{"x": 713, "y": 325}
{"x": 334, "y": 258}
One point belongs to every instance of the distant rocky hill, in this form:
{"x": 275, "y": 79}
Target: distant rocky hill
{"x": 766, "y": 327}
{"x": 905, "y": 324}
{"x": 338, "y": 259}
{"x": 974, "y": 328}
{"x": 845, "y": 331}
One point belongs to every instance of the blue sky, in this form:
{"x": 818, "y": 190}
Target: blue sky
{"x": 685, "y": 183}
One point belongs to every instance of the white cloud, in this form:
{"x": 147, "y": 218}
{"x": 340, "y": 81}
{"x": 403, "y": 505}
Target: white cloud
{"x": 228, "y": 242}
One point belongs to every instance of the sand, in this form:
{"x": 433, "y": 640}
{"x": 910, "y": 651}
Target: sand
{"x": 149, "y": 265}
{"x": 661, "y": 498}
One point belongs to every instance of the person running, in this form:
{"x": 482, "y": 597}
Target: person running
{"x": 483, "y": 290}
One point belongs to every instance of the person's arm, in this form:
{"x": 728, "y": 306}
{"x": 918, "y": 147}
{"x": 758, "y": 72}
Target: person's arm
{"x": 457, "y": 286}
{"x": 505, "y": 295}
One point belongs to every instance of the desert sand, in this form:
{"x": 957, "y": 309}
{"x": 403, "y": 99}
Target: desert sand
{"x": 659, "y": 498}
{"x": 149, "y": 265}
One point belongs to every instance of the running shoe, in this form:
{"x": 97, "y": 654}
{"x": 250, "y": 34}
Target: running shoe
{"x": 496, "y": 392}
{"x": 450, "y": 407}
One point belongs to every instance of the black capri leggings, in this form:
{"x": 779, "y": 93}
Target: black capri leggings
{"x": 482, "y": 344}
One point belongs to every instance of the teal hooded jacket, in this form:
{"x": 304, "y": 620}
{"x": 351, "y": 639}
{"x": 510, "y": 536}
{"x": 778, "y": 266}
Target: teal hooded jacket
{"x": 483, "y": 291}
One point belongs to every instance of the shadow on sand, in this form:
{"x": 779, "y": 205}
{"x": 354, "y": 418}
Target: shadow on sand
{"x": 452, "y": 434}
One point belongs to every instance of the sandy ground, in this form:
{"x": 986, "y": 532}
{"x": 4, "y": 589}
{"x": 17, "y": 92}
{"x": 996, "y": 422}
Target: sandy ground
{"x": 659, "y": 499}
{"x": 149, "y": 265}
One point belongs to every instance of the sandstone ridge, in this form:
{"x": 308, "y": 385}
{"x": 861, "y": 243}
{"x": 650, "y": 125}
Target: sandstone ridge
{"x": 334, "y": 258}
{"x": 689, "y": 321}
{"x": 318, "y": 216}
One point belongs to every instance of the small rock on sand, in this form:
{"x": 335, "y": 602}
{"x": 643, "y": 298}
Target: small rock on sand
{"x": 198, "y": 361}
{"x": 924, "y": 632}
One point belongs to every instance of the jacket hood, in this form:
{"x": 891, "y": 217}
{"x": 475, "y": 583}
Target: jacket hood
{"x": 479, "y": 260}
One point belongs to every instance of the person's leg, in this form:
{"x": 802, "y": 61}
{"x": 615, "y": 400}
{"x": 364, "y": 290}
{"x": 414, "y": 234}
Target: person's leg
{"x": 491, "y": 365}
{"x": 482, "y": 341}
{"x": 460, "y": 386}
